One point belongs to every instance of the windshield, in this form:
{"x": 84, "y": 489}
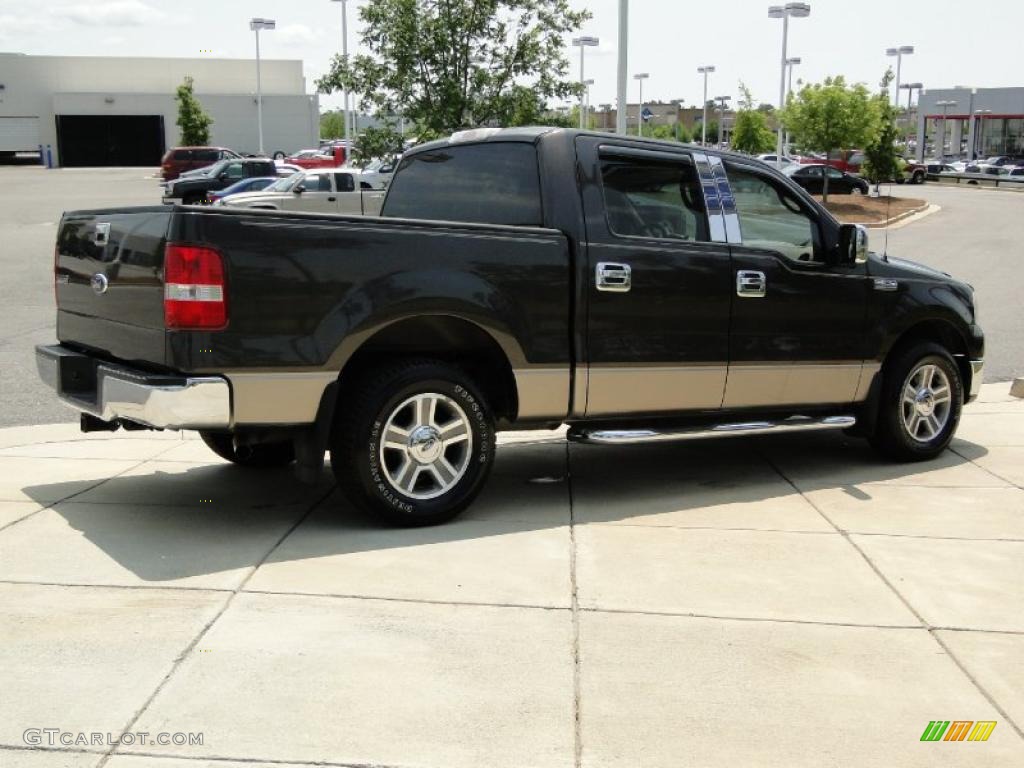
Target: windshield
{"x": 285, "y": 184}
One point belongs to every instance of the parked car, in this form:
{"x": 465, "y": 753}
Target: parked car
{"x": 812, "y": 178}
{"x": 284, "y": 170}
{"x": 378, "y": 173}
{"x": 320, "y": 191}
{"x": 518, "y": 278}
{"x": 772, "y": 158}
{"x": 315, "y": 158}
{"x": 180, "y": 159}
{"x": 989, "y": 164}
{"x": 846, "y": 160}
{"x": 254, "y": 184}
{"x": 195, "y": 190}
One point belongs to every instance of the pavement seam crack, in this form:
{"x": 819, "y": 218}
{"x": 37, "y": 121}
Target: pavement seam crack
{"x": 924, "y": 623}
{"x": 576, "y": 670}
{"x": 986, "y": 469}
{"x": 180, "y": 659}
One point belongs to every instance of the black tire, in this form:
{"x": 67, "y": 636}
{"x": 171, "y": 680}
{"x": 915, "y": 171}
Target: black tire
{"x": 195, "y": 199}
{"x": 263, "y": 455}
{"x": 892, "y": 437}
{"x": 279, "y": 155}
{"x": 918, "y": 177}
{"x": 365, "y": 471}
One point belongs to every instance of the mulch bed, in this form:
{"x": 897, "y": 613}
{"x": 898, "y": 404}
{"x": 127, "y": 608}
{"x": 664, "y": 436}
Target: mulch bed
{"x": 860, "y": 209}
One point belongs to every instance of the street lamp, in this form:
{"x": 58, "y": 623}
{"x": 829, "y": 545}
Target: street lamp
{"x": 910, "y": 88}
{"x": 784, "y": 12}
{"x": 705, "y": 70}
{"x": 620, "y": 79}
{"x": 349, "y": 132}
{"x": 792, "y": 61}
{"x": 945, "y": 104}
{"x": 721, "y": 120}
{"x": 641, "y": 76}
{"x": 899, "y": 53}
{"x": 256, "y": 25}
{"x": 583, "y": 43}
{"x": 586, "y": 104}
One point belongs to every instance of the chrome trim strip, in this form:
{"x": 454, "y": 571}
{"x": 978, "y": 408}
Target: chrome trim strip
{"x": 543, "y": 393}
{"x": 712, "y": 199}
{"x": 635, "y": 436}
{"x": 731, "y": 217}
{"x": 977, "y": 371}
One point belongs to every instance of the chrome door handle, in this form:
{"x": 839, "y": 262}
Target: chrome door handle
{"x": 750, "y": 284}
{"x": 617, "y": 278}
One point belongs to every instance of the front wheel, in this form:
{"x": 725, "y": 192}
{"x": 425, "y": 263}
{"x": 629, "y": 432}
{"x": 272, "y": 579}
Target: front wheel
{"x": 414, "y": 442}
{"x": 922, "y": 394}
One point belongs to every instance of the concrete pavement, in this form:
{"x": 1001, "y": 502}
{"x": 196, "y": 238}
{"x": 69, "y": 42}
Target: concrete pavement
{"x": 784, "y": 601}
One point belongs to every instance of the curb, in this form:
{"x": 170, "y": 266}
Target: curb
{"x": 904, "y": 218}
{"x": 1017, "y": 388}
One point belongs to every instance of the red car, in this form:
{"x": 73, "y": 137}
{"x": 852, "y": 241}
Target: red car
{"x": 180, "y": 159}
{"x": 847, "y": 160}
{"x": 328, "y": 157}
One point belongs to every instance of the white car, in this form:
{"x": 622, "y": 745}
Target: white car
{"x": 378, "y": 174}
{"x": 318, "y": 190}
{"x": 770, "y": 159}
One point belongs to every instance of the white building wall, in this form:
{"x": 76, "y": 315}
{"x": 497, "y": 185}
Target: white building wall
{"x": 46, "y": 86}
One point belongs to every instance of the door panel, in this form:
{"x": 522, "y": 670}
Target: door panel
{"x": 661, "y": 345}
{"x": 803, "y": 341}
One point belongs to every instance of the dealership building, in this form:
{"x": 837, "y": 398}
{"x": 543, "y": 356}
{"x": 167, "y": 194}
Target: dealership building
{"x": 110, "y": 111}
{"x": 970, "y": 122}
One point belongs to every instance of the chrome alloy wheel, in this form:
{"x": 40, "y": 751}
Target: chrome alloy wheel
{"x": 927, "y": 402}
{"x": 425, "y": 446}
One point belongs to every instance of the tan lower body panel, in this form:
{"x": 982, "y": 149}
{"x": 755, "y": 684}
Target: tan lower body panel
{"x": 616, "y": 390}
{"x": 543, "y": 392}
{"x": 787, "y": 383}
{"x": 277, "y": 398}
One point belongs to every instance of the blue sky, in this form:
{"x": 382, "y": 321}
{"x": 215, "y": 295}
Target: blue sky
{"x": 668, "y": 38}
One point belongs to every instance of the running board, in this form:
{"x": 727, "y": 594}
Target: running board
{"x": 630, "y": 436}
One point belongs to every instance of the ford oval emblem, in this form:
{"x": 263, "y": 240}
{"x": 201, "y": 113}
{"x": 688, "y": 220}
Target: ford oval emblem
{"x": 99, "y": 283}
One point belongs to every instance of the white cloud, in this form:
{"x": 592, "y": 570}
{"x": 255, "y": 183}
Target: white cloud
{"x": 115, "y": 13}
{"x": 296, "y": 34}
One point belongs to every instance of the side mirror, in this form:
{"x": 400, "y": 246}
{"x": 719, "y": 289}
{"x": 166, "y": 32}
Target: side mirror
{"x": 223, "y": 176}
{"x": 853, "y": 244}
{"x": 299, "y": 189}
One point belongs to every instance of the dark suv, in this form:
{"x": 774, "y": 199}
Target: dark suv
{"x": 180, "y": 159}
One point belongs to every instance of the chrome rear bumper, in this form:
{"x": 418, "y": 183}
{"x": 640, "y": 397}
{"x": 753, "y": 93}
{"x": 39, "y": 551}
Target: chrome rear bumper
{"x": 113, "y": 392}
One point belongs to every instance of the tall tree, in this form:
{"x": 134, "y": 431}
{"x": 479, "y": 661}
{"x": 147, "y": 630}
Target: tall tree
{"x": 332, "y": 124}
{"x": 824, "y": 117}
{"x": 750, "y": 132}
{"x": 450, "y": 64}
{"x": 881, "y": 157}
{"x": 192, "y": 118}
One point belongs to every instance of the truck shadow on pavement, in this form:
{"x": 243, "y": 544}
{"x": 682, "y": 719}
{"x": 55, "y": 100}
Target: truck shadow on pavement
{"x": 209, "y": 525}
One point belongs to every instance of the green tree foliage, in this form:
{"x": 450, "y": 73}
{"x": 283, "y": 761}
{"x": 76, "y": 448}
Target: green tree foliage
{"x": 453, "y": 64}
{"x": 881, "y": 156}
{"x": 332, "y": 124}
{"x": 192, "y": 119}
{"x": 750, "y": 132}
{"x": 712, "y": 130}
{"x": 674, "y": 132}
{"x": 832, "y": 115}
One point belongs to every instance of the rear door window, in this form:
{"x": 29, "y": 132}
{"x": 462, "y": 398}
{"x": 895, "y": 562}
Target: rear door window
{"x": 182, "y": 154}
{"x": 488, "y": 183}
{"x": 344, "y": 182}
{"x": 206, "y": 155}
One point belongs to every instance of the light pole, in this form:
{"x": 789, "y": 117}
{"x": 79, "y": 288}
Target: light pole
{"x": 899, "y": 53}
{"x": 910, "y": 87}
{"x": 721, "y": 120}
{"x": 583, "y": 43}
{"x": 641, "y": 76}
{"x": 792, "y": 61}
{"x": 586, "y": 104}
{"x": 256, "y": 25}
{"x": 945, "y": 104}
{"x": 784, "y": 12}
{"x": 705, "y": 70}
{"x": 621, "y": 77}
{"x": 349, "y": 130}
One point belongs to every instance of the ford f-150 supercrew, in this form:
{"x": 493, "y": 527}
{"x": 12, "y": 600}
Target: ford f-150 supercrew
{"x": 633, "y": 289}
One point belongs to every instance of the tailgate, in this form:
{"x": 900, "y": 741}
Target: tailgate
{"x": 109, "y": 282}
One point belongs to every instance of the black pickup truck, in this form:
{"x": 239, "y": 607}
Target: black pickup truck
{"x": 194, "y": 189}
{"x": 635, "y": 290}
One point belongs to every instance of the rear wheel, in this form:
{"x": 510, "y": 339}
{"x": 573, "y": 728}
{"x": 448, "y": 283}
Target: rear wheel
{"x": 414, "y": 442}
{"x": 918, "y": 177}
{"x": 260, "y": 455}
{"x": 922, "y": 395}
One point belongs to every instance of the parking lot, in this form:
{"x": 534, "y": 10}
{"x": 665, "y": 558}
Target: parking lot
{"x": 772, "y": 601}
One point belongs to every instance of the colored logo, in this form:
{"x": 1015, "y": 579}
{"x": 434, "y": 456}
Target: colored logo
{"x": 958, "y": 730}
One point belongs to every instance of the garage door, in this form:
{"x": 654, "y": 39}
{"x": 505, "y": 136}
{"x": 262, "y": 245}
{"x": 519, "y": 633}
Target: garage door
{"x": 94, "y": 140}
{"x": 19, "y": 134}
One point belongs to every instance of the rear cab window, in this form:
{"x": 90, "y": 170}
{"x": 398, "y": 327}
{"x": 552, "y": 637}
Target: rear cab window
{"x": 489, "y": 183}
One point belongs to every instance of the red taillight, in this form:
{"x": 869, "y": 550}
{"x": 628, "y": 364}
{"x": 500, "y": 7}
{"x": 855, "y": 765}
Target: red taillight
{"x": 195, "y": 292}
